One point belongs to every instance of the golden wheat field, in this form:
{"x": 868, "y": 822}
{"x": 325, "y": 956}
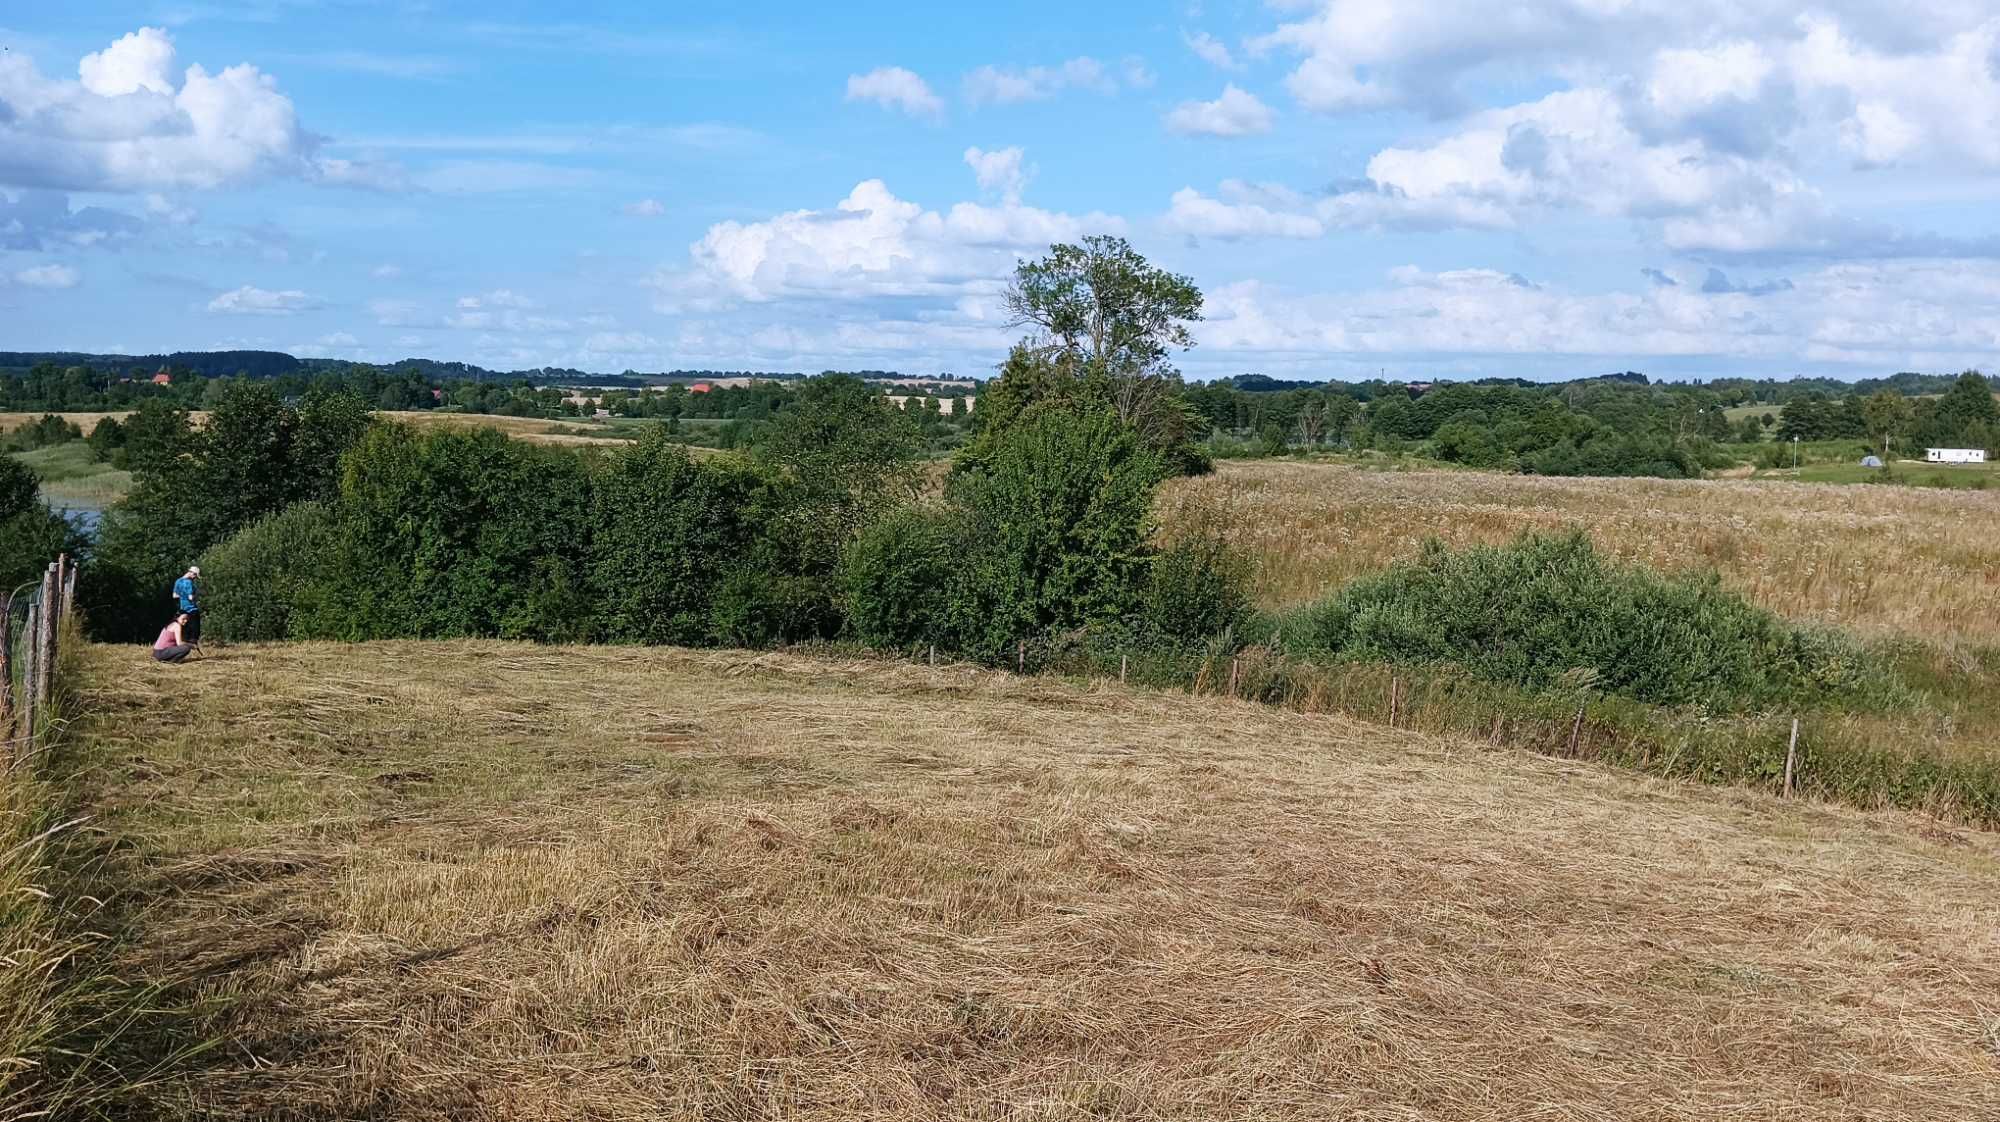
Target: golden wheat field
{"x": 483, "y": 880}
{"x": 1915, "y": 561}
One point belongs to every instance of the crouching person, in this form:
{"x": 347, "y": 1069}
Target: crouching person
{"x": 171, "y": 646}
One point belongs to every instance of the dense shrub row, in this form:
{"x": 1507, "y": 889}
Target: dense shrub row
{"x": 1550, "y": 612}
{"x": 445, "y": 533}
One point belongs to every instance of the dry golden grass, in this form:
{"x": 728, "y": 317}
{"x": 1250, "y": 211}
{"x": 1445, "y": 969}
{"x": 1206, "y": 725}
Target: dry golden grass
{"x": 1913, "y": 561}
{"x": 534, "y": 430}
{"x": 85, "y": 421}
{"x": 488, "y": 880}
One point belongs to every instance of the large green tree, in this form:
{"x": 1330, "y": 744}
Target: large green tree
{"x": 1104, "y": 324}
{"x": 1888, "y": 414}
{"x": 194, "y": 487}
{"x": 1964, "y": 417}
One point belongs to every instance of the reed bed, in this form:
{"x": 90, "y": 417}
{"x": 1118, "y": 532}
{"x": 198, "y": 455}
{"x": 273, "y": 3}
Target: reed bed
{"x": 483, "y": 880}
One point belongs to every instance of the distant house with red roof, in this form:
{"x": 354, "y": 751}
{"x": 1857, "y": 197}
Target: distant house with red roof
{"x": 162, "y": 378}
{"x": 700, "y": 387}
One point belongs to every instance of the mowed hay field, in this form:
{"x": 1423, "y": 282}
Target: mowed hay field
{"x": 1917, "y": 562}
{"x": 487, "y": 880}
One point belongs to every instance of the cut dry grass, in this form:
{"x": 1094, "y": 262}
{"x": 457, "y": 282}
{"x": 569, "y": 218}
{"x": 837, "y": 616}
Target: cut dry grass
{"x": 488, "y": 880}
{"x": 1885, "y": 560}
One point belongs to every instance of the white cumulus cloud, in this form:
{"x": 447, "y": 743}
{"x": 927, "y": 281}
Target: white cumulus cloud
{"x": 1209, "y": 49}
{"x": 133, "y": 120}
{"x": 870, "y": 244}
{"x": 1002, "y": 171}
{"x": 1236, "y": 113}
{"x": 250, "y": 300}
{"x": 893, "y": 87}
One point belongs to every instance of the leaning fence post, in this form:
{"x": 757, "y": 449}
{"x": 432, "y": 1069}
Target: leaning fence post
{"x": 1792, "y": 758}
{"x": 1395, "y": 686}
{"x": 1234, "y": 673}
{"x": 1575, "y": 729}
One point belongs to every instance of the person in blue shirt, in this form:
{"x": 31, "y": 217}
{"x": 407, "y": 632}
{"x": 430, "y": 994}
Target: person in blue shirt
{"x": 185, "y": 602}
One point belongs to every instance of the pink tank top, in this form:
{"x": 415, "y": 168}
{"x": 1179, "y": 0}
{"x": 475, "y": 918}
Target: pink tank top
{"x": 167, "y": 638}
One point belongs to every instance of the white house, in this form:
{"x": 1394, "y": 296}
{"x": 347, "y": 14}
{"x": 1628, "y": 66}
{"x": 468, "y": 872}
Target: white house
{"x": 1955, "y": 455}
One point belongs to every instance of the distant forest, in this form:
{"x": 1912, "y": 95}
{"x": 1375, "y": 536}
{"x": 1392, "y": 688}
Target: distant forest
{"x": 1615, "y": 424}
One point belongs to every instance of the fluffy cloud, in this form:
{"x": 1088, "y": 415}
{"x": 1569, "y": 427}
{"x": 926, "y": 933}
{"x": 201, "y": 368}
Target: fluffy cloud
{"x": 996, "y": 85}
{"x": 1235, "y": 113}
{"x": 49, "y": 276}
{"x": 1198, "y": 215}
{"x": 644, "y": 208}
{"x": 130, "y": 123}
{"x": 1881, "y": 316}
{"x": 1209, "y": 49}
{"x": 893, "y": 87}
{"x": 1888, "y": 84}
{"x": 250, "y": 300}
{"x": 870, "y": 244}
{"x": 1002, "y": 171}
{"x": 1710, "y": 121}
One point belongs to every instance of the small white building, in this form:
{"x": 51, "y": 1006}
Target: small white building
{"x": 1955, "y": 455}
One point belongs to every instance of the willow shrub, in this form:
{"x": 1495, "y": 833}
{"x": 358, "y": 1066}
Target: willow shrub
{"x": 1550, "y": 612}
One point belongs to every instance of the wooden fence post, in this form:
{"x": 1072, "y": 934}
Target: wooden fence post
{"x": 1235, "y": 671}
{"x": 45, "y": 667}
{"x": 1575, "y": 729}
{"x": 31, "y": 644}
{"x": 1792, "y": 758}
{"x": 1395, "y": 687}
{"x": 933, "y": 654}
{"x": 7, "y": 664}
{"x": 1020, "y": 656}
{"x": 1123, "y": 660}
{"x": 69, "y": 591}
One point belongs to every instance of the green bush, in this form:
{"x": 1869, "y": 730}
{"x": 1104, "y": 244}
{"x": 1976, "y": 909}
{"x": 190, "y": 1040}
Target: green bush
{"x": 1198, "y": 587}
{"x": 666, "y": 531}
{"x": 448, "y": 533}
{"x": 253, "y": 582}
{"x": 1549, "y": 611}
{"x": 897, "y": 576}
{"x": 1056, "y": 532}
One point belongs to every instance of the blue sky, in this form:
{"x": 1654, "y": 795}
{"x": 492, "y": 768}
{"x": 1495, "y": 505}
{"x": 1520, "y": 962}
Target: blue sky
{"x": 1544, "y": 189}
